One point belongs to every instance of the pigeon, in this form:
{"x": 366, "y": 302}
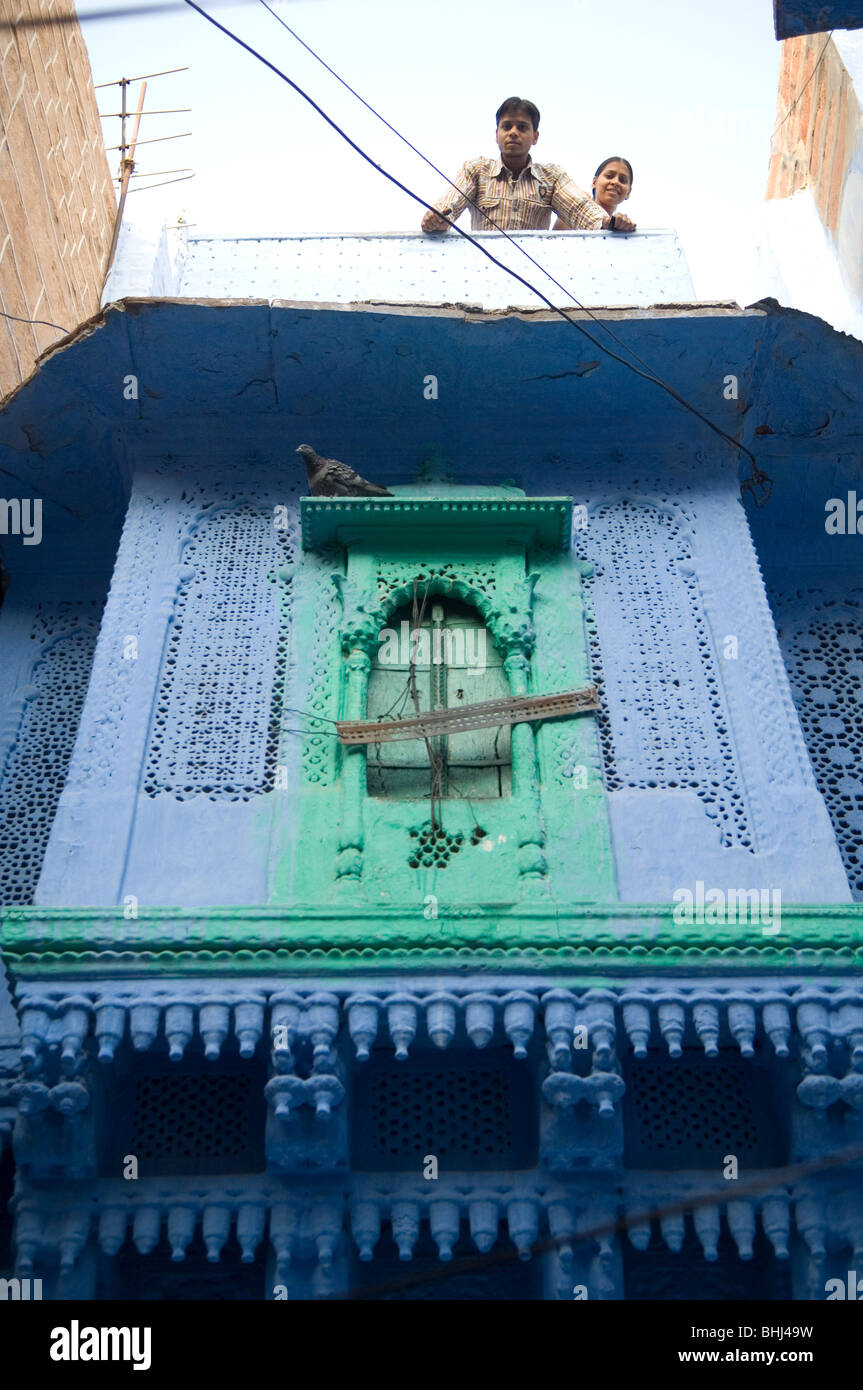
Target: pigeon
{"x": 329, "y": 478}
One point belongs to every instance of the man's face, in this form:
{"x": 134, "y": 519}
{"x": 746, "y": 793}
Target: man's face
{"x": 515, "y": 134}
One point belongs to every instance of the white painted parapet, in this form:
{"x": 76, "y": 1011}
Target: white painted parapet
{"x": 598, "y": 268}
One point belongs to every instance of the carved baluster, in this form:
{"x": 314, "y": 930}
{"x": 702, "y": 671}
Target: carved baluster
{"x": 479, "y": 1017}
{"x": 522, "y": 1218}
{"x": 848, "y": 1024}
{"x": 405, "y": 1219}
{"x": 559, "y": 1019}
{"x": 285, "y": 1015}
{"x": 671, "y": 1017}
{"x": 402, "y": 1021}
{"x": 284, "y": 1228}
{"x": 28, "y": 1240}
{"x": 596, "y": 1013}
{"x": 326, "y": 1092}
{"x": 706, "y": 1223}
{"x": 214, "y": 1019}
{"x": 321, "y": 1023}
{"x": 35, "y": 1025}
{"x": 181, "y": 1228}
{"x": 441, "y": 1018}
{"x": 363, "y": 1012}
{"x": 636, "y": 1021}
{"x": 74, "y": 1230}
{"x": 143, "y": 1025}
{"x": 639, "y": 1234}
{"x": 285, "y": 1094}
{"x": 366, "y": 1228}
{"x": 145, "y": 1229}
{"x": 444, "y": 1223}
{"x": 741, "y": 1223}
{"x": 674, "y": 1231}
{"x": 110, "y": 1026}
{"x": 705, "y": 1017}
{"x": 741, "y": 1025}
{"x": 519, "y": 1008}
{"x": 179, "y": 1027}
{"x": 484, "y": 1219}
{"x": 813, "y": 1023}
{"x": 215, "y": 1228}
{"x": 776, "y": 1022}
{"x": 776, "y": 1221}
{"x": 74, "y": 1026}
{"x": 251, "y": 1218}
{"x": 112, "y": 1229}
{"x": 562, "y": 1229}
{"x": 249, "y": 1025}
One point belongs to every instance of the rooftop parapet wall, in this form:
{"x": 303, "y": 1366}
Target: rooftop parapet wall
{"x": 599, "y": 268}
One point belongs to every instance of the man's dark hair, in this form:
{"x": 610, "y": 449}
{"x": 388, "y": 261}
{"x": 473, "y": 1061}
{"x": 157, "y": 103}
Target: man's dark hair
{"x": 518, "y": 104}
{"x": 616, "y": 159}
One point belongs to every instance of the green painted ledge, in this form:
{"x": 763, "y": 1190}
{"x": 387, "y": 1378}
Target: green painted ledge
{"x": 616, "y": 937}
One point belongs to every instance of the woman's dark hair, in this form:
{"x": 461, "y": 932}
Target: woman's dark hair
{"x": 619, "y": 159}
{"x": 518, "y": 104}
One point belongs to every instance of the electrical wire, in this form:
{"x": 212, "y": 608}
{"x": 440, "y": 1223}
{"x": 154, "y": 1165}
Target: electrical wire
{"x": 765, "y": 1181}
{"x": 757, "y": 479}
{"x": 44, "y": 322}
{"x": 793, "y": 105}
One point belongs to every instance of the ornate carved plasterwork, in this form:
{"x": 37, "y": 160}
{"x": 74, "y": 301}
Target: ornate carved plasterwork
{"x": 40, "y": 735}
{"x": 821, "y": 634}
{"x": 669, "y": 686}
{"x": 504, "y": 603}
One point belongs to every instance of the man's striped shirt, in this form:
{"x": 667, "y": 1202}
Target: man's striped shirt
{"x": 523, "y": 203}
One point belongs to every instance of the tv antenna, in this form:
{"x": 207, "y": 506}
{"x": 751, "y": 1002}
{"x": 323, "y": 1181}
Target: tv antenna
{"x": 128, "y": 147}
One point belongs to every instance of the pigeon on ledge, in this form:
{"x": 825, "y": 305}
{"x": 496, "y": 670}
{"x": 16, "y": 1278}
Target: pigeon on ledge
{"x": 329, "y": 478}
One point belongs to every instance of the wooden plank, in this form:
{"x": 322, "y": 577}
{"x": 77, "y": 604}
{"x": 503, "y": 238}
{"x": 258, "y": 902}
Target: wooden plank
{"x": 484, "y": 714}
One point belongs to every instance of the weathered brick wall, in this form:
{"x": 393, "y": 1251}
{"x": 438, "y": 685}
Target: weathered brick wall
{"x": 815, "y": 143}
{"x": 56, "y": 200}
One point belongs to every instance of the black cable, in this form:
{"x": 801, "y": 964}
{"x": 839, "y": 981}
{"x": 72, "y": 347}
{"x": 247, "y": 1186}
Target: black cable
{"x": 758, "y": 478}
{"x": 764, "y": 1182}
{"x": 794, "y": 103}
{"x": 44, "y": 322}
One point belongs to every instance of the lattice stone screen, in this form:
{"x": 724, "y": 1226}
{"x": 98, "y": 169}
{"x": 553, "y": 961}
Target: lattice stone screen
{"x": 471, "y": 1114}
{"x": 35, "y": 770}
{"x": 823, "y": 650}
{"x": 664, "y": 723}
{"x": 691, "y": 1112}
{"x": 216, "y": 722}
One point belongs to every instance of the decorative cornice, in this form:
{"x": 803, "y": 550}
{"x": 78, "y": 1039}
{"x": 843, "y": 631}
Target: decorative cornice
{"x": 619, "y": 937}
{"x": 545, "y": 521}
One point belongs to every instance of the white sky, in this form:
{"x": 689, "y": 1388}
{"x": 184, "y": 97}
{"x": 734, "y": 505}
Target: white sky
{"x": 685, "y": 89}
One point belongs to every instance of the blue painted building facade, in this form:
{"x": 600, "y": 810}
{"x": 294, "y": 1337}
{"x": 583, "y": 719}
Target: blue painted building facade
{"x": 248, "y": 1007}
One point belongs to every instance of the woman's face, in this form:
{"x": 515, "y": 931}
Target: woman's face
{"x": 611, "y": 187}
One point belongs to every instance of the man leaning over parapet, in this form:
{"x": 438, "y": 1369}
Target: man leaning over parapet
{"x": 513, "y": 193}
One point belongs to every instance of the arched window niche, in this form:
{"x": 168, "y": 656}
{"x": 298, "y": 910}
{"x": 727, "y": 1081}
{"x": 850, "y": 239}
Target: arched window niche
{"x": 440, "y": 657}
{"x": 470, "y": 561}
